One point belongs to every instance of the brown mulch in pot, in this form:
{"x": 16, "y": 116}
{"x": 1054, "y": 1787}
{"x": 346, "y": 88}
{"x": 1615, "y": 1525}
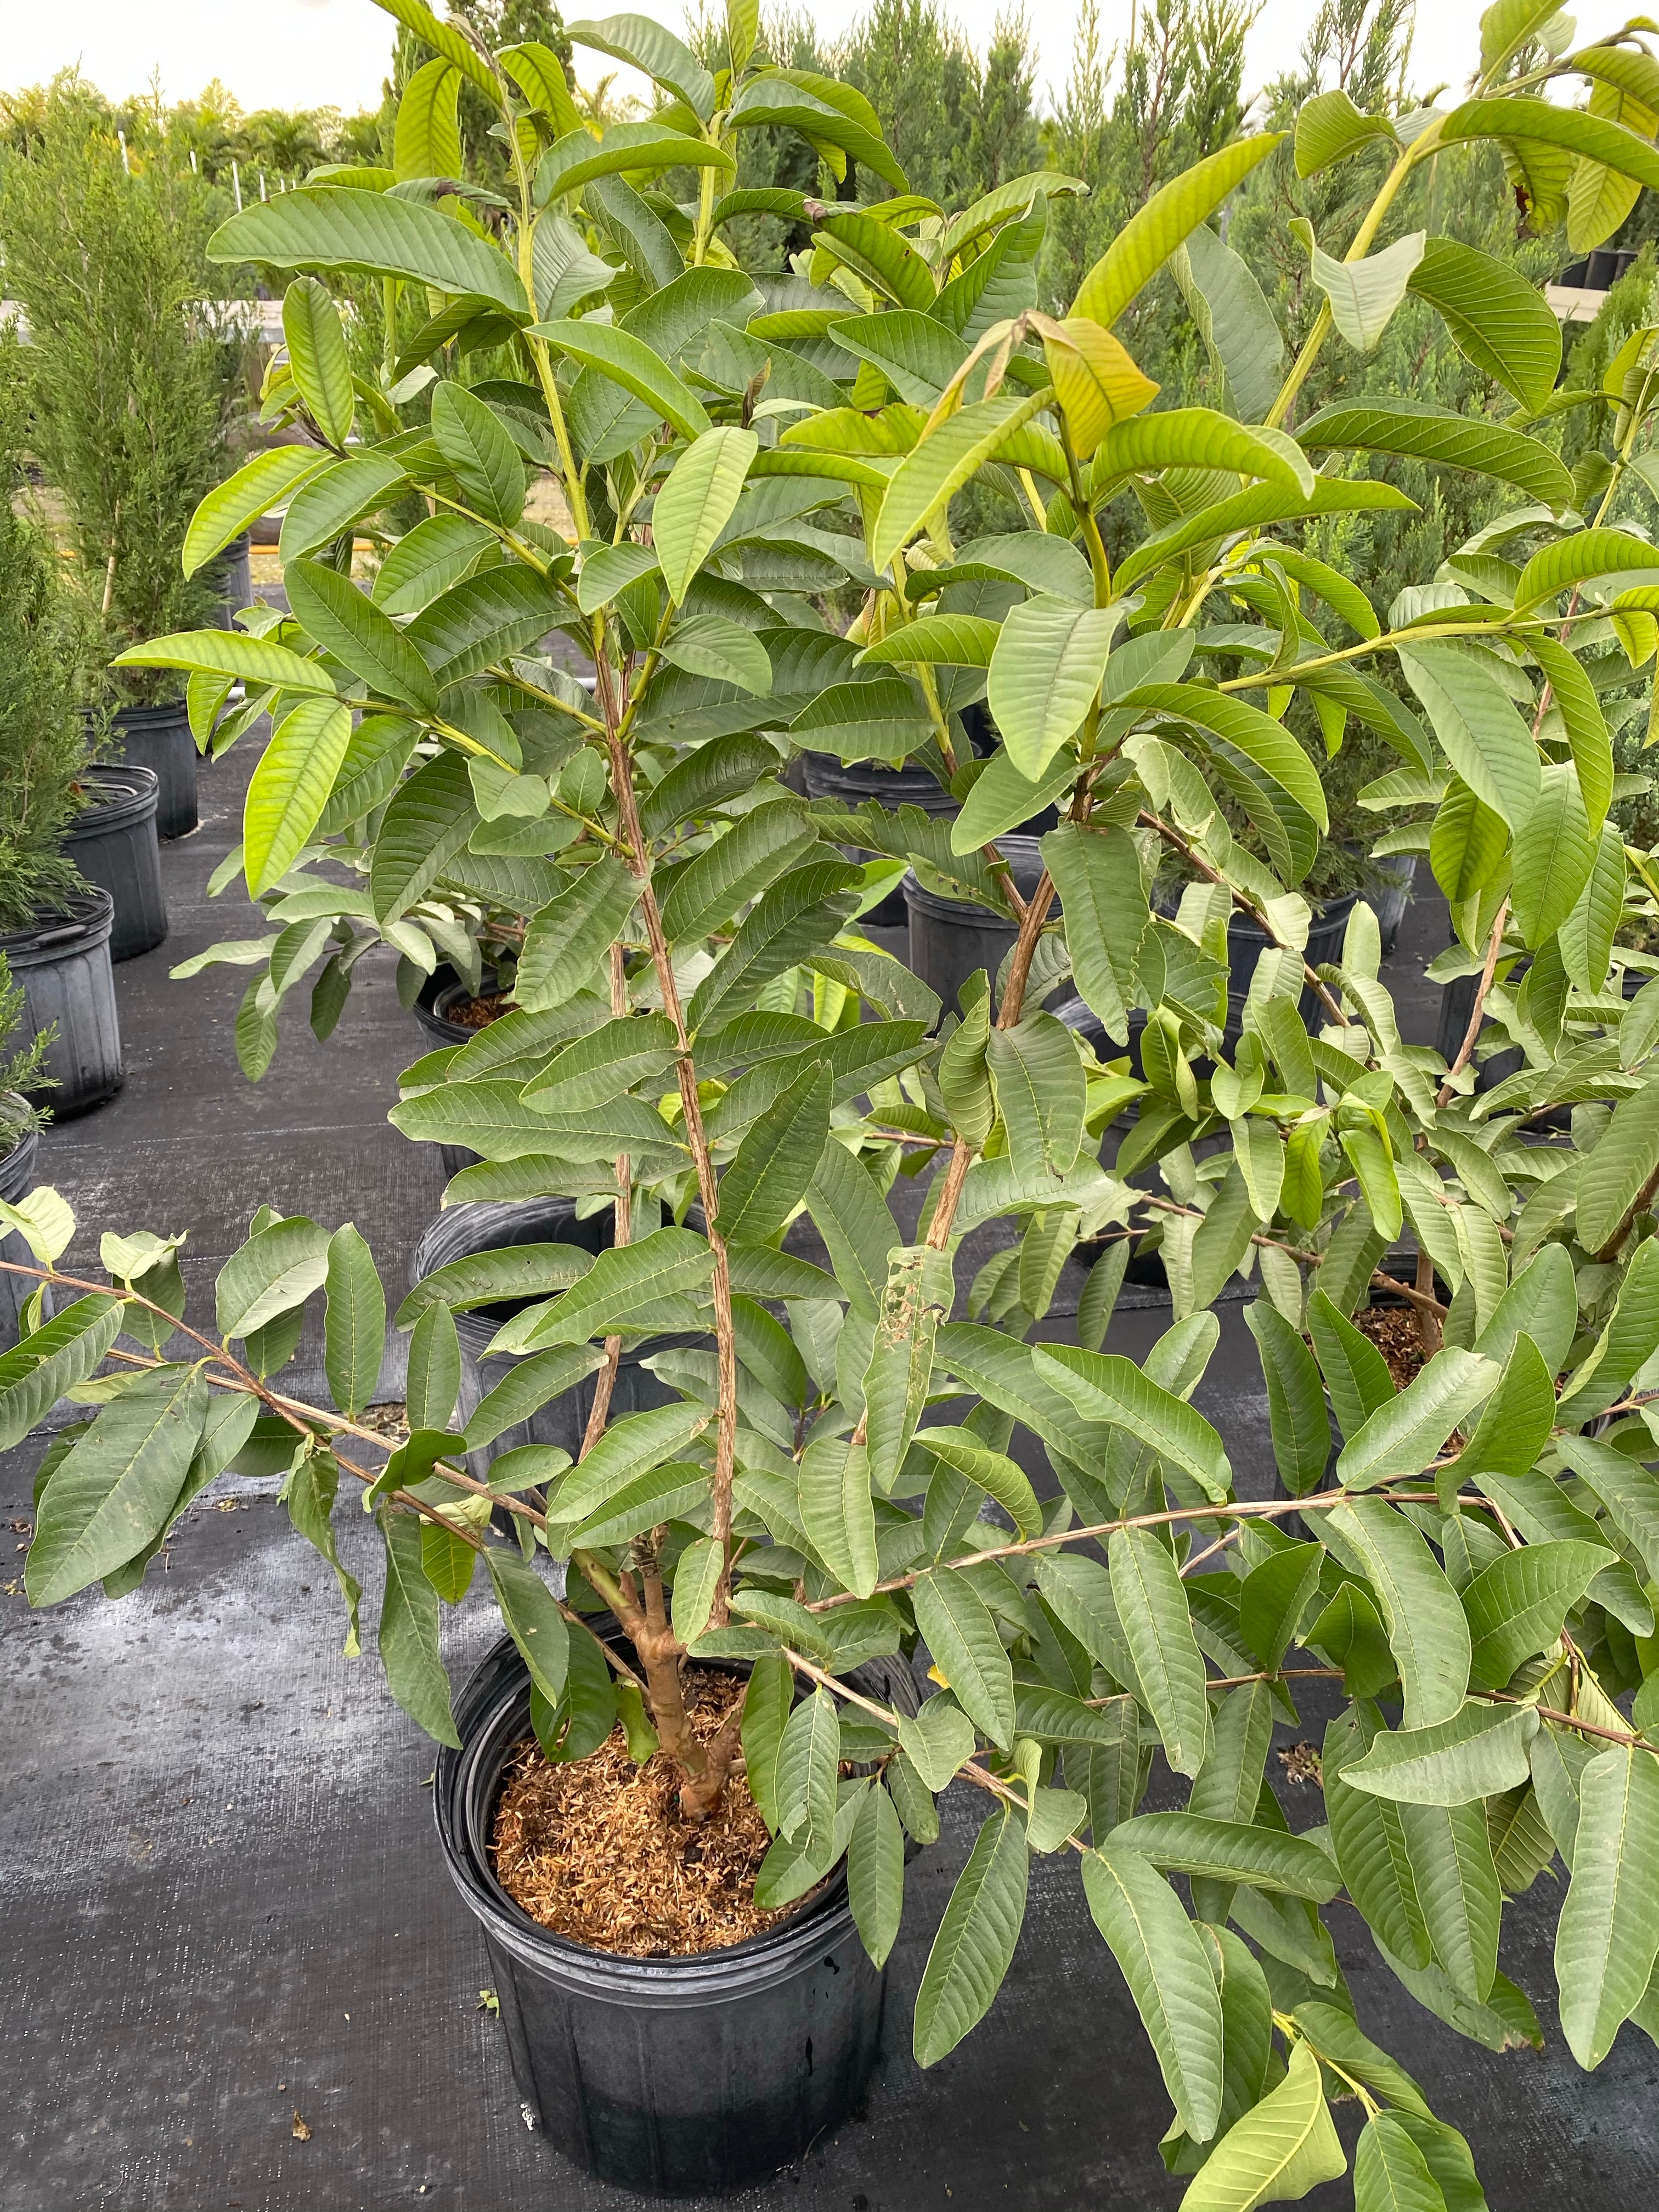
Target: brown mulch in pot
{"x": 596, "y": 1850}
{"x": 478, "y": 1013}
{"x": 1393, "y": 1330}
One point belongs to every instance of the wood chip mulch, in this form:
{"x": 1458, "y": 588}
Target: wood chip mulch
{"x": 1393, "y": 1330}
{"x": 478, "y": 1013}
{"x": 596, "y": 1850}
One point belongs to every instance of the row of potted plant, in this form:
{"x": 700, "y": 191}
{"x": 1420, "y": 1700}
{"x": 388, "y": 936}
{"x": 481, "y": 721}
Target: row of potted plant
{"x": 722, "y": 1494}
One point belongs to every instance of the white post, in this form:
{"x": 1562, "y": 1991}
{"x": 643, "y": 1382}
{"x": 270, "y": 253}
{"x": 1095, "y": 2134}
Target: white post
{"x": 236, "y": 182}
{"x": 125, "y": 164}
{"x": 261, "y": 184}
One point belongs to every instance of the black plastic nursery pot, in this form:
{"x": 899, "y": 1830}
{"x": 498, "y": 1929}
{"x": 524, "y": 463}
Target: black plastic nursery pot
{"x": 442, "y": 991}
{"x": 1247, "y": 940}
{"x": 113, "y": 842}
{"x": 17, "y": 1179}
{"x": 233, "y": 575}
{"x": 891, "y": 788}
{"x": 62, "y": 961}
{"x": 1389, "y": 899}
{"x": 462, "y": 1231}
{"x": 159, "y": 739}
{"x": 676, "y": 2075}
{"x": 950, "y": 938}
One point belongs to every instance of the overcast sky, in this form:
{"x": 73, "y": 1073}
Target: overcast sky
{"x": 312, "y": 53}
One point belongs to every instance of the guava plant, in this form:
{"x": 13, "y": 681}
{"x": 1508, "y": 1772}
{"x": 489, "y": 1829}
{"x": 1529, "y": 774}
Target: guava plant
{"x": 699, "y": 1032}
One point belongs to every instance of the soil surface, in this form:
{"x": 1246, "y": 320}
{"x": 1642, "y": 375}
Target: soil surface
{"x": 596, "y": 1850}
{"x": 1393, "y": 1330}
{"x": 478, "y": 1013}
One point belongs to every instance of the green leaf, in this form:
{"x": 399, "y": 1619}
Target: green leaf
{"x": 312, "y": 1485}
{"x": 531, "y": 1614}
{"x": 706, "y": 778}
{"x": 656, "y": 52}
{"x": 1390, "y": 2174}
{"x": 962, "y": 1635}
{"x": 1553, "y": 855}
{"x": 317, "y": 357}
{"x": 1613, "y": 1180}
{"x": 696, "y": 1577}
{"x": 481, "y": 455}
{"x": 620, "y": 1282}
{"x": 434, "y": 1369}
{"x": 346, "y": 622}
{"x": 427, "y": 140}
{"x": 799, "y": 914}
{"x": 342, "y": 230}
{"x": 1152, "y": 234}
{"x": 276, "y": 1270}
{"x": 62, "y": 1352}
{"x": 757, "y": 849}
{"x": 976, "y": 1941}
{"x": 483, "y": 619}
{"x": 1230, "y": 1852}
{"x": 1362, "y": 295}
{"x": 1151, "y": 1605}
{"x": 875, "y": 1875}
{"x": 1497, "y": 319}
{"x": 1590, "y": 137}
{"x": 567, "y": 939}
{"x": 1097, "y": 874}
{"x": 1518, "y": 1606}
{"x": 1041, "y": 1094}
{"x": 117, "y": 1488}
{"x": 1256, "y": 735}
{"x": 408, "y": 1635}
{"x": 627, "y": 360}
{"x": 765, "y": 1709}
{"x": 955, "y": 640}
{"x": 775, "y": 1163}
{"x": 426, "y": 824}
{"x": 809, "y": 1751}
{"x": 355, "y": 1323}
{"x": 1437, "y": 433}
{"x": 1277, "y": 2152}
{"x": 1296, "y": 1399}
{"x": 1608, "y": 1936}
{"x": 264, "y": 482}
{"x": 837, "y": 1512}
{"x": 927, "y": 479}
{"x": 1162, "y": 1959}
{"x": 993, "y": 1472}
{"x": 1402, "y": 1436}
{"x": 1369, "y": 1842}
{"x": 600, "y": 1067}
{"x": 1275, "y": 1599}
{"x": 1426, "y": 1629}
{"x": 526, "y": 1389}
{"x": 1329, "y": 128}
{"x": 1106, "y": 1387}
{"x": 696, "y": 503}
{"x": 1479, "y": 1752}
{"x": 1044, "y": 674}
{"x": 1198, "y": 438}
{"x": 1237, "y": 326}
{"x": 231, "y": 652}
{"x": 1484, "y": 737}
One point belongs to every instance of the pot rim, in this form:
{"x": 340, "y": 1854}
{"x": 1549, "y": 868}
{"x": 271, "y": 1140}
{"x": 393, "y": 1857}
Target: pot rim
{"x": 492, "y": 1712}
{"x": 92, "y": 910}
{"x": 126, "y": 790}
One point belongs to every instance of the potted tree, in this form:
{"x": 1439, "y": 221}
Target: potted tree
{"x": 22, "y": 1072}
{"x": 128, "y": 396}
{"x": 724, "y": 1588}
{"x": 54, "y": 926}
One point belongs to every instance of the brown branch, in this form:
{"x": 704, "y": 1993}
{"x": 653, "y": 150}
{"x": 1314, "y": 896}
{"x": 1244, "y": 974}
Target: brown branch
{"x": 1477, "y": 1011}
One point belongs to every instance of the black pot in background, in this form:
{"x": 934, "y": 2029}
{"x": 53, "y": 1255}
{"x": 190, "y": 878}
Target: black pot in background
{"x": 1388, "y": 900}
{"x": 159, "y": 739}
{"x": 461, "y": 1230}
{"x": 18, "y": 1175}
{"x": 113, "y": 843}
{"x": 678, "y": 2076}
{"x": 1247, "y": 941}
{"x": 442, "y": 989}
{"x": 233, "y": 575}
{"x": 890, "y": 787}
{"x": 950, "y": 938}
{"x": 62, "y": 963}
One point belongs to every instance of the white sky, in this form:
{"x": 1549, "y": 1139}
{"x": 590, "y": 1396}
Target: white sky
{"x": 313, "y": 53}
